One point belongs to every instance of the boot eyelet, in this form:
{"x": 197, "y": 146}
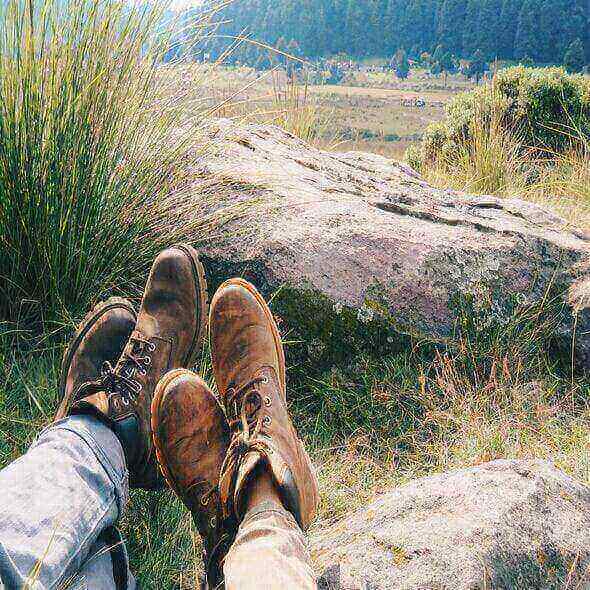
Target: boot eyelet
{"x": 267, "y": 421}
{"x": 125, "y": 401}
{"x": 142, "y": 372}
{"x": 205, "y": 500}
{"x": 151, "y": 346}
{"x": 147, "y": 360}
{"x": 264, "y": 380}
{"x": 267, "y": 401}
{"x": 213, "y": 522}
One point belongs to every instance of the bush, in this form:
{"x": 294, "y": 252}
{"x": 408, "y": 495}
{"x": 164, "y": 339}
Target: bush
{"x": 82, "y": 153}
{"x": 544, "y": 107}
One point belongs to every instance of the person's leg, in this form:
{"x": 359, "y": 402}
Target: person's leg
{"x": 71, "y": 486}
{"x": 267, "y": 481}
{"x": 59, "y": 500}
{"x": 58, "y": 503}
{"x": 191, "y": 436}
{"x": 270, "y": 549}
{"x": 107, "y": 566}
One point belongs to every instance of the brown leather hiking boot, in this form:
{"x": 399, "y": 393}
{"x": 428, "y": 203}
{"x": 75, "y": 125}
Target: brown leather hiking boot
{"x": 100, "y": 338}
{"x": 249, "y": 367}
{"x": 191, "y": 437}
{"x": 169, "y": 330}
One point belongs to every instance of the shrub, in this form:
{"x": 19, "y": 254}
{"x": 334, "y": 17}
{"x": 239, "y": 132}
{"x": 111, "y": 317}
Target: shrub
{"x": 82, "y": 152}
{"x": 545, "y": 107}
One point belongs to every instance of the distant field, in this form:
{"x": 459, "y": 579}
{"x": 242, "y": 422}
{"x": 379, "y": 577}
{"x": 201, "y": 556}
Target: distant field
{"x": 371, "y": 112}
{"x": 379, "y": 120}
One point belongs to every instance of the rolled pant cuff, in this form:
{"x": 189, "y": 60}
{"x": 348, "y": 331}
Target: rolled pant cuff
{"x": 266, "y": 507}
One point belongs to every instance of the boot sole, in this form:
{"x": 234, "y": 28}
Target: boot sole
{"x": 202, "y": 300}
{"x": 82, "y": 330}
{"x": 273, "y": 325}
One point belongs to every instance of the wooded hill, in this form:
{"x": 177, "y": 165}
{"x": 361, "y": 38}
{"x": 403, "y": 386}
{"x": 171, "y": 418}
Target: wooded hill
{"x": 539, "y": 30}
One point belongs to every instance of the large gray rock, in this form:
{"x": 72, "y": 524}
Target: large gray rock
{"x": 361, "y": 233}
{"x": 510, "y": 525}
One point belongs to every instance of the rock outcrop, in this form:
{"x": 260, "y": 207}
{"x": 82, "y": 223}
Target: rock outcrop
{"x": 511, "y": 525}
{"x": 362, "y": 235}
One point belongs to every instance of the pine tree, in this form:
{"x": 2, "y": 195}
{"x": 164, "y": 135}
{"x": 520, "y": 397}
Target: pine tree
{"x": 489, "y": 27}
{"x": 571, "y": 26}
{"x": 393, "y": 25}
{"x": 477, "y": 66}
{"x": 472, "y": 30}
{"x": 528, "y": 43}
{"x": 539, "y": 29}
{"x": 442, "y": 62}
{"x": 356, "y": 28}
{"x": 451, "y": 20}
{"x": 401, "y": 64}
{"x": 574, "y": 59}
{"x": 507, "y": 27}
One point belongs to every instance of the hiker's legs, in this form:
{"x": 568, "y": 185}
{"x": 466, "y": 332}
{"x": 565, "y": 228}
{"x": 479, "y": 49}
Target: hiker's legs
{"x": 267, "y": 482}
{"x": 59, "y": 503}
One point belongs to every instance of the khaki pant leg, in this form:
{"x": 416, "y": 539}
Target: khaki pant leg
{"x": 269, "y": 553}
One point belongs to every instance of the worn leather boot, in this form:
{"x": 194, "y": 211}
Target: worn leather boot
{"x": 191, "y": 437}
{"x": 169, "y": 330}
{"x": 249, "y": 367}
{"x": 100, "y": 338}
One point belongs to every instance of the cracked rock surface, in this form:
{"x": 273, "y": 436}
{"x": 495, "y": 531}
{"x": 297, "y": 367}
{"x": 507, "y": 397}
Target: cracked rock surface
{"x": 365, "y": 232}
{"x": 513, "y": 525}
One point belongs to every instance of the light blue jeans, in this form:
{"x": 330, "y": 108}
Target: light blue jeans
{"x": 59, "y": 504}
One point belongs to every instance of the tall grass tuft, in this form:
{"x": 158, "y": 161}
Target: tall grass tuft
{"x": 491, "y": 162}
{"x": 83, "y": 153}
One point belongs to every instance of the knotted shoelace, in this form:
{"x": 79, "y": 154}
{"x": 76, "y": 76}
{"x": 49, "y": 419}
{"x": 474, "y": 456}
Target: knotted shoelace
{"x": 245, "y": 421}
{"x": 121, "y": 379}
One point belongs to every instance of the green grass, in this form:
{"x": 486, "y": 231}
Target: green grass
{"x": 86, "y": 163}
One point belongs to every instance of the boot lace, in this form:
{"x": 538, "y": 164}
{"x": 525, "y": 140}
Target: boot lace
{"x": 246, "y": 421}
{"x": 243, "y": 404}
{"x": 122, "y": 378}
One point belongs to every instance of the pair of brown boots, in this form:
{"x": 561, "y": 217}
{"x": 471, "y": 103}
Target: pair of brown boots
{"x": 128, "y": 370}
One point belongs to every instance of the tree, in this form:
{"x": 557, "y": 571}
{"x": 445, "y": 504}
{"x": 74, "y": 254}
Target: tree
{"x": 528, "y": 42}
{"x": 392, "y": 22}
{"x": 400, "y": 64}
{"x": 574, "y": 59}
{"x": 477, "y": 66}
{"x": 471, "y": 31}
{"x": 442, "y": 62}
{"x": 507, "y": 27}
{"x": 489, "y": 27}
{"x": 451, "y": 20}
{"x": 542, "y": 30}
{"x": 356, "y": 27}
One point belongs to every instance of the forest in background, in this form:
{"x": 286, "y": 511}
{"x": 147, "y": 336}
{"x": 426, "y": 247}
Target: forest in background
{"x": 538, "y": 30}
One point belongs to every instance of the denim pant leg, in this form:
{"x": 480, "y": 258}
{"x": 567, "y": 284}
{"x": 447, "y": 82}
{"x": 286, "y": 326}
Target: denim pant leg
{"x": 59, "y": 503}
